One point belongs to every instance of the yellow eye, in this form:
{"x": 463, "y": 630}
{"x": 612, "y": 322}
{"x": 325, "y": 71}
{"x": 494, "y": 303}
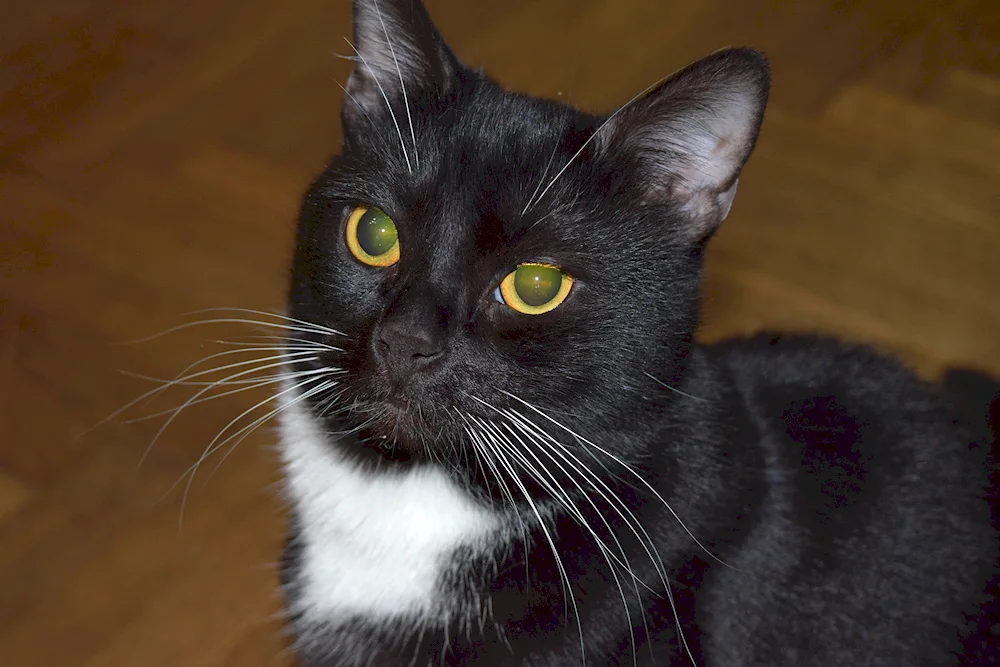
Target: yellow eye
{"x": 372, "y": 237}
{"x": 534, "y": 288}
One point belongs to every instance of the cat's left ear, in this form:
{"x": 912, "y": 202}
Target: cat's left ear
{"x": 692, "y": 135}
{"x": 399, "y": 52}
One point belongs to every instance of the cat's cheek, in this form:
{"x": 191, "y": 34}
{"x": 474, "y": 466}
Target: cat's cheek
{"x": 352, "y": 287}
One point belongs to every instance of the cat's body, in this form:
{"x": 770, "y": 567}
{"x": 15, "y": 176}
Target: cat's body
{"x": 827, "y": 526}
{"x": 476, "y": 482}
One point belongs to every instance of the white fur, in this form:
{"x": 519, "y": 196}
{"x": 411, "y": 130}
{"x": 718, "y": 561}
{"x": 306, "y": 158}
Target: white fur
{"x": 374, "y": 544}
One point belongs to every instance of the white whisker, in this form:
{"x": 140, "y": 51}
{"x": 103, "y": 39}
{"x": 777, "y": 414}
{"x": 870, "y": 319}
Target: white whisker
{"x": 402, "y": 85}
{"x": 628, "y": 468}
{"x": 385, "y": 97}
{"x": 552, "y": 487}
{"x": 157, "y": 390}
{"x": 195, "y": 397}
{"x": 228, "y": 320}
{"x": 596, "y": 132}
{"x": 528, "y": 427}
{"x": 249, "y": 386}
{"x": 247, "y": 430}
{"x": 213, "y": 447}
{"x": 567, "y": 584}
{"x": 250, "y": 311}
{"x": 540, "y": 438}
{"x": 506, "y": 492}
{"x": 542, "y": 178}
{"x": 324, "y": 408}
{"x": 182, "y": 379}
{"x": 674, "y": 389}
{"x": 545, "y": 444}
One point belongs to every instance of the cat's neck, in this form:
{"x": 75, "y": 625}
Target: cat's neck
{"x": 370, "y": 542}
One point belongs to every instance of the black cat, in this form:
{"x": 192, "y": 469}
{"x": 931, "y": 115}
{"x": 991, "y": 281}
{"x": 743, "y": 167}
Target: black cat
{"x": 504, "y": 446}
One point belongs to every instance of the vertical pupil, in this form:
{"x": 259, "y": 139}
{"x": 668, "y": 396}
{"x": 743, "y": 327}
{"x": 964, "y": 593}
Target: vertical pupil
{"x": 376, "y": 232}
{"x": 536, "y": 284}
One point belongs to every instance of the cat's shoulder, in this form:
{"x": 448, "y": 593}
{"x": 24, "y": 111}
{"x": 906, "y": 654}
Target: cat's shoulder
{"x": 818, "y": 391}
{"x": 815, "y": 365}
{"x": 820, "y": 399}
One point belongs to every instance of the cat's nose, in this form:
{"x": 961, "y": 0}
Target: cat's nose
{"x": 402, "y": 350}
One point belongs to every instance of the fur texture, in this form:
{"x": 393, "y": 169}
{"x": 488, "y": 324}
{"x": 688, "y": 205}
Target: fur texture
{"x": 478, "y": 486}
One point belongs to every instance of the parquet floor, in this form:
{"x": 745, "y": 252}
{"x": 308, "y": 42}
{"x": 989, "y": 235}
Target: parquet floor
{"x": 151, "y": 157}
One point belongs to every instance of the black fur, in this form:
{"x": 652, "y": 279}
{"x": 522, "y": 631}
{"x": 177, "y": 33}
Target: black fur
{"x": 839, "y": 502}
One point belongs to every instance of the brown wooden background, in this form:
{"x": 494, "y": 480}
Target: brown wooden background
{"x": 151, "y": 157}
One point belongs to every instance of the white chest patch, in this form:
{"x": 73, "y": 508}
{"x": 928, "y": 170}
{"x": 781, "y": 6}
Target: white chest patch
{"x": 373, "y": 544}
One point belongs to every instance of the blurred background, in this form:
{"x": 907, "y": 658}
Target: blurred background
{"x": 152, "y": 155}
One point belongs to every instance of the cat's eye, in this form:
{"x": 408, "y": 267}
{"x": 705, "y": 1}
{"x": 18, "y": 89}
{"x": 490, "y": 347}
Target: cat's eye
{"x": 534, "y": 288}
{"x": 372, "y": 237}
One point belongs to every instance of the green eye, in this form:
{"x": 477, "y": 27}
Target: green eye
{"x": 534, "y": 288}
{"x": 372, "y": 237}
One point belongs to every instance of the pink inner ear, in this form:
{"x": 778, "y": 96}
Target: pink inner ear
{"x": 721, "y": 146}
{"x": 697, "y": 162}
{"x": 715, "y": 147}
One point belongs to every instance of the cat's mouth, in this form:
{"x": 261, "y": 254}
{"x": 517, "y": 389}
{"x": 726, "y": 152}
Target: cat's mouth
{"x": 399, "y": 423}
{"x": 397, "y": 418}
{"x": 398, "y": 403}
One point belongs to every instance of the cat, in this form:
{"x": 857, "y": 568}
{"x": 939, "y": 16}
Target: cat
{"x": 505, "y": 447}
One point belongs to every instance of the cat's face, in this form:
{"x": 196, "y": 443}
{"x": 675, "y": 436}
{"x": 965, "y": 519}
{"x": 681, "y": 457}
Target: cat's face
{"x": 496, "y": 262}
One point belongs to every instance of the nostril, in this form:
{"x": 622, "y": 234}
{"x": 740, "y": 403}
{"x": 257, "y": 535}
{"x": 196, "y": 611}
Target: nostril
{"x": 402, "y": 351}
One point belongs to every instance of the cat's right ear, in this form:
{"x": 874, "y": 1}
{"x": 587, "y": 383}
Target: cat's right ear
{"x": 398, "y": 52}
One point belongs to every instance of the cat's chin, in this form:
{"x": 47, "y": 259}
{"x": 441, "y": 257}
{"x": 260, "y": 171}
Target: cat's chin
{"x": 398, "y": 429}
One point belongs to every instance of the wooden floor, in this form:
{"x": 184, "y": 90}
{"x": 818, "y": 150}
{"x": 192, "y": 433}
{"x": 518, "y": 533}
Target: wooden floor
{"x": 151, "y": 157}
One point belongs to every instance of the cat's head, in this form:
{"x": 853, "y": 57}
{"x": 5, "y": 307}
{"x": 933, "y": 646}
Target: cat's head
{"x": 498, "y": 263}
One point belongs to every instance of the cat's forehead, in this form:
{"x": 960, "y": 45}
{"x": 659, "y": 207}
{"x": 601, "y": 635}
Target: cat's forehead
{"x": 493, "y": 155}
{"x": 500, "y": 134}
{"x": 484, "y": 170}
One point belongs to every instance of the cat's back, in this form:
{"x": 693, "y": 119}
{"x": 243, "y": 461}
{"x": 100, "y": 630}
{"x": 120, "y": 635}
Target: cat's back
{"x": 875, "y": 502}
